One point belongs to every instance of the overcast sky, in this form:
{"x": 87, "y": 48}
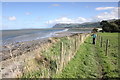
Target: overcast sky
{"x": 23, "y": 15}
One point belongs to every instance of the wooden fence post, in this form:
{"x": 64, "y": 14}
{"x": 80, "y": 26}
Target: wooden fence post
{"x": 80, "y": 38}
{"x": 97, "y": 37}
{"x": 69, "y": 55}
{"x": 75, "y": 44}
{"x": 61, "y": 55}
{"x": 101, "y": 42}
{"x": 107, "y": 43}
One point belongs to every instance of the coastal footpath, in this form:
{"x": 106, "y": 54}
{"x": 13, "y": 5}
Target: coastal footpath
{"x": 90, "y": 61}
{"x": 72, "y": 56}
{"x": 95, "y": 62}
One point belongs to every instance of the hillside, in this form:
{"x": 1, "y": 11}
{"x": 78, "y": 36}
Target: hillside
{"x": 76, "y": 25}
{"x": 83, "y": 25}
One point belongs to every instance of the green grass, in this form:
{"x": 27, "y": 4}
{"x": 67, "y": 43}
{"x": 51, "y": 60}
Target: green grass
{"x": 53, "y": 56}
{"x": 109, "y": 62}
{"x": 83, "y": 65}
{"x": 90, "y": 60}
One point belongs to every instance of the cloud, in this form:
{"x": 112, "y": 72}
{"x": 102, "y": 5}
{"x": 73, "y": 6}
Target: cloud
{"x": 59, "y": 20}
{"x": 113, "y": 14}
{"x": 67, "y": 20}
{"x": 55, "y": 5}
{"x": 104, "y": 8}
{"x": 12, "y": 18}
{"x": 81, "y": 20}
{"x": 27, "y": 13}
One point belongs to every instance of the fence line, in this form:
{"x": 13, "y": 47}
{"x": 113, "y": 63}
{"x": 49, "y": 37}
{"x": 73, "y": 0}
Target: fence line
{"x": 101, "y": 42}
{"x": 61, "y": 55}
{"x": 106, "y": 44}
{"x": 68, "y": 51}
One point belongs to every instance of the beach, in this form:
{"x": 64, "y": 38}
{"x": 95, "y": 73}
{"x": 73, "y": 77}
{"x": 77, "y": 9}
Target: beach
{"x": 19, "y": 48}
{"x": 26, "y": 41}
{"x": 15, "y": 55}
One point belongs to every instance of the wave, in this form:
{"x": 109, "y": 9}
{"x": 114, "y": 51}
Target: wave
{"x": 33, "y": 36}
{"x": 62, "y": 31}
{"x": 53, "y": 34}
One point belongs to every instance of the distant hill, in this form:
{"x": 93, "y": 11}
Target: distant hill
{"x": 83, "y": 25}
{"x": 76, "y": 25}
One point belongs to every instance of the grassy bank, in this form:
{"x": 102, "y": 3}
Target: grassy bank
{"x": 51, "y": 61}
{"x": 109, "y": 62}
{"x": 90, "y": 60}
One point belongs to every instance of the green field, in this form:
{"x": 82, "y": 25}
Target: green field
{"x": 49, "y": 61}
{"x": 91, "y": 60}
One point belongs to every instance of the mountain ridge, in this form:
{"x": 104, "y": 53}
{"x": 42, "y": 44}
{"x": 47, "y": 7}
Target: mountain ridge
{"x": 81, "y": 25}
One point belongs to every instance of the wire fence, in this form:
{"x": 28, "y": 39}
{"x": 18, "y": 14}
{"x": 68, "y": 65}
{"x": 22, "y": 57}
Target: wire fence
{"x": 103, "y": 43}
{"x": 64, "y": 51}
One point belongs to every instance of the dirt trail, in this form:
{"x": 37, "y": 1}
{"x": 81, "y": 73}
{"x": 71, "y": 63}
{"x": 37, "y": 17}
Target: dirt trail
{"x": 98, "y": 59}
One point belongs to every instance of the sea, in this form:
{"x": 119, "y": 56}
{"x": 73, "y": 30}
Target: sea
{"x": 13, "y": 36}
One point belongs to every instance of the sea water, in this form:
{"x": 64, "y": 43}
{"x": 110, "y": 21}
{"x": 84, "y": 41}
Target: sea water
{"x": 13, "y": 36}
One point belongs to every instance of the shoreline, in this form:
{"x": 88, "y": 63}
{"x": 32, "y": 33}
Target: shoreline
{"x": 30, "y": 35}
{"x": 25, "y": 51}
{"x": 19, "y": 48}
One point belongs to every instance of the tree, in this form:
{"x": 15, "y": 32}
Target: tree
{"x": 113, "y": 26}
{"x": 105, "y": 26}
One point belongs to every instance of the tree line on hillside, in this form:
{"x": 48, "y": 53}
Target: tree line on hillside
{"x": 110, "y": 26}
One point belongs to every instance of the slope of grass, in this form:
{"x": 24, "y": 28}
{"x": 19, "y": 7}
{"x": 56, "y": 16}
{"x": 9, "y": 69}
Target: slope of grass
{"x": 90, "y": 60}
{"x": 109, "y": 62}
{"x": 52, "y": 55}
{"x": 83, "y": 65}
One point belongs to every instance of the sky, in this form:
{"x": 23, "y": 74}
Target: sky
{"x": 26, "y": 15}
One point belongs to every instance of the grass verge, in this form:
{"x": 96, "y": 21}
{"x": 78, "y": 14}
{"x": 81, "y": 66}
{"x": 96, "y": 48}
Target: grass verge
{"x": 90, "y": 60}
